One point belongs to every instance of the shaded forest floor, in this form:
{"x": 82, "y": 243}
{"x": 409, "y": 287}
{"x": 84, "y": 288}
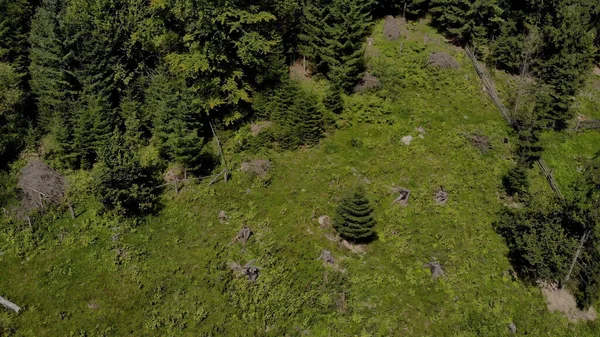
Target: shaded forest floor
{"x": 168, "y": 276}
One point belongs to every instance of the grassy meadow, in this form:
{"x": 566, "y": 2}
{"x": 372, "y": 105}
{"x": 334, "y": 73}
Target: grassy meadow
{"x": 167, "y": 275}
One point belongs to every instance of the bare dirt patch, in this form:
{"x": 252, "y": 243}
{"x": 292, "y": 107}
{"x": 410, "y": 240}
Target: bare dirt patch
{"x": 257, "y": 128}
{"x": 299, "y": 70}
{"x": 564, "y": 302}
{"x": 368, "y": 83}
{"x": 40, "y": 184}
{"x": 442, "y": 60}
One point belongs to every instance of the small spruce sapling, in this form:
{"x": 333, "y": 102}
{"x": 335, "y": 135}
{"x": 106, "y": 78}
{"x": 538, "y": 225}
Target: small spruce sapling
{"x": 354, "y": 219}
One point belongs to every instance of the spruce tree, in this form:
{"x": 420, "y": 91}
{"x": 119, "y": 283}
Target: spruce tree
{"x": 529, "y": 148}
{"x": 316, "y": 15}
{"x": 516, "y": 181}
{"x": 333, "y": 100}
{"x": 354, "y": 217}
{"x": 14, "y": 26}
{"x": 177, "y": 125}
{"x": 309, "y": 120}
{"x": 122, "y": 184}
{"x": 467, "y": 20}
{"x": 345, "y": 38}
{"x": 11, "y": 96}
{"x": 52, "y": 65}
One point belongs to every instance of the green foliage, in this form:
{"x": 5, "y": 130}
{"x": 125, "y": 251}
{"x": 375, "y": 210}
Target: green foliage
{"x": 176, "y": 123}
{"x": 11, "y": 121}
{"x": 515, "y": 181}
{"x": 14, "y": 26}
{"x": 540, "y": 242}
{"x": 333, "y": 101}
{"x": 469, "y": 21}
{"x": 354, "y": 217}
{"x": 333, "y": 37}
{"x": 123, "y": 185}
{"x": 529, "y": 147}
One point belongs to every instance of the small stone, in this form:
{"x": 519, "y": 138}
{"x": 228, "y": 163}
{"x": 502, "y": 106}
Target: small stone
{"x": 406, "y": 140}
{"x": 324, "y": 221}
{"x": 223, "y": 218}
{"x": 420, "y": 129}
{"x": 421, "y": 136}
{"x": 512, "y": 328}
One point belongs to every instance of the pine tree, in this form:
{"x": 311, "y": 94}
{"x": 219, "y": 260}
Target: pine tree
{"x": 10, "y": 98}
{"x": 354, "y": 217}
{"x": 309, "y": 120}
{"x": 316, "y": 15}
{"x": 123, "y": 185}
{"x": 467, "y": 20}
{"x": 333, "y": 100}
{"x": 14, "y": 27}
{"x": 516, "y": 181}
{"x": 52, "y": 81}
{"x": 177, "y": 125}
{"x": 345, "y": 38}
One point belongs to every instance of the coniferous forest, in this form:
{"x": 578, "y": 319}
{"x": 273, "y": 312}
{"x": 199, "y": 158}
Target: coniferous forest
{"x": 299, "y": 168}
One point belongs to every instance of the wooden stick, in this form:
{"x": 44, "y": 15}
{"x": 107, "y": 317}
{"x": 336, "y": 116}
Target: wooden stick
{"x": 41, "y": 193}
{"x": 220, "y": 149}
{"x": 9, "y": 305}
{"x": 217, "y": 177}
{"x": 71, "y": 210}
{"x": 581, "y": 243}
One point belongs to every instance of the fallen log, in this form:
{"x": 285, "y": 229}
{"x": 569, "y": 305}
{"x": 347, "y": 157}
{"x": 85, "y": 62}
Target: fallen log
{"x": 9, "y": 305}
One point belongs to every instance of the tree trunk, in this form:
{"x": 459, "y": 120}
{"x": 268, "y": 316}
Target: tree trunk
{"x": 581, "y": 243}
{"x": 226, "y": 170}
{"x": 9, "y": 305}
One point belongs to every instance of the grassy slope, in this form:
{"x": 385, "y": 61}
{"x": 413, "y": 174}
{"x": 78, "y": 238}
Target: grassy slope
{"x": 171, "y": 277}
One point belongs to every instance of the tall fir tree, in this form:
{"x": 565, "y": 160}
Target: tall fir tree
{"x": 309, "y": 118}
{"x": 14, "y": 27}
{"x": 316, "y": 16}
{"x": 123, "y": 185}
{"x": 354, "y": 217}
{"x": 469, "y": 21}
{"x": 177, "y": 125}
{"x": 346, "y": 36}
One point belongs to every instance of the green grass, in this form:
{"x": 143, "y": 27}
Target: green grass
{"x": 168, "y": 274}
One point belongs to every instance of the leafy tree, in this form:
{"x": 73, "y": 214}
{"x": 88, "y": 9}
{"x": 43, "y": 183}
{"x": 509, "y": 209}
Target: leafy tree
{"x": 354, "y": 217}
{"x": 223, "y": 51}
{"x": 123, "y": 185}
